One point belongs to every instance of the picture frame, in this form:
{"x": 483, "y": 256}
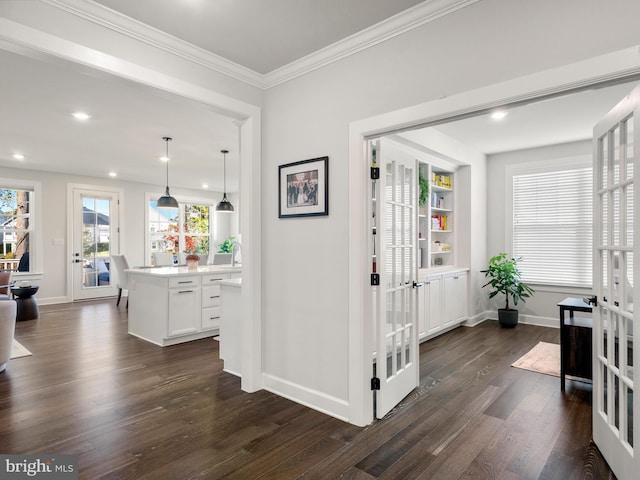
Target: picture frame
{"x": 303, "y": 188}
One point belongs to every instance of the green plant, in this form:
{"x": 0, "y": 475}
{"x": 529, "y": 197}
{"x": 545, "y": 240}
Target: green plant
{"x": 227, "y": 245}
{"x": 504, "y": 277}
{"x": 424, "y": 190}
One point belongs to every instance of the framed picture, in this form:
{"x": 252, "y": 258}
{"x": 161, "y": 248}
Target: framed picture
{"x": 304, "y": 188}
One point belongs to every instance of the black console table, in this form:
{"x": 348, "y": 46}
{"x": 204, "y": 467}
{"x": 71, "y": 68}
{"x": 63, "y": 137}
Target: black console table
{"x": 575, "y": 341}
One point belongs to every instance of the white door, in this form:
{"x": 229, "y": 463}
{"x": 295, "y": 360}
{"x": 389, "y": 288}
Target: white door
{"x": 616, "y": 360}
{"x": 95, "y": 237}
{"x": 395, "y": 308}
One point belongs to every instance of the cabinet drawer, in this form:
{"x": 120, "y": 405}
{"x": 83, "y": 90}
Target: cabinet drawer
{"x": 210, "y": 296}
{"x": 180, "y": 282}
{"x": 210, "y": 318}
{"x": 212, "y": 278}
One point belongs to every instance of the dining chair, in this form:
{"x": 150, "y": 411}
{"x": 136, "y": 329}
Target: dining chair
{"x": 163, "y": 259}
{"x": 120, "y": 263}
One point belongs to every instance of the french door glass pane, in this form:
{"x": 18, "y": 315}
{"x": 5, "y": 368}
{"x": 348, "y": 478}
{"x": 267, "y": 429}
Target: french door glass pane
{"x": 96, "y": 241}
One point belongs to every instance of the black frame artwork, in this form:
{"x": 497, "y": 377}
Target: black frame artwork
{"x": 303, "y": 188}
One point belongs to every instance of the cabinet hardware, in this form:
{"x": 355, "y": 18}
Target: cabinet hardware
{"x": 186, "y": 282}
{"x": 185, "y": 291}
{"x": 375, "y": 383}
{"x": 417, "y": 284}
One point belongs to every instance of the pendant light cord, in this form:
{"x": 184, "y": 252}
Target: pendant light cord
{"x": 167, "y": 140}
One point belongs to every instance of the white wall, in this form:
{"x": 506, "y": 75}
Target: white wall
{"x": 543, "y": 304}
{"x": 305, "y": 290}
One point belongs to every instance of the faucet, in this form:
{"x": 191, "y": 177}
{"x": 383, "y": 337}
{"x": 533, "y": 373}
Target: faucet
{"x": 235, "y": 250}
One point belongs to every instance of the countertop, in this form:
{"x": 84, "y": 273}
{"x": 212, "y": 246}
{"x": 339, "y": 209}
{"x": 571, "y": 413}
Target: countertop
{"x": 183, "y": 270}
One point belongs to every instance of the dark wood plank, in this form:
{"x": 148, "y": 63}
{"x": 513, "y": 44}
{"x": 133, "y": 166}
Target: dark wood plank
{"x": 132, "y": 410}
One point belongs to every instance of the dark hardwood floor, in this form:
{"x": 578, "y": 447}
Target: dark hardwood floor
{"x": 131, "y": 410}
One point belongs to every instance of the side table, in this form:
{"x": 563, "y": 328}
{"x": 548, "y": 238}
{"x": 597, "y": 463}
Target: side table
{"x": 575, "y": 341}
{"x": 26, "y": 302}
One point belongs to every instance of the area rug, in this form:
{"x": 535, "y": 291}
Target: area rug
{"x": 18, "y": 350}
{"x": 543, "y": 358}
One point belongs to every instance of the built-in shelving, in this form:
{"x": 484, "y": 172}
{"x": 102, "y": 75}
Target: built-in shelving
{"x": 436, "y": 218}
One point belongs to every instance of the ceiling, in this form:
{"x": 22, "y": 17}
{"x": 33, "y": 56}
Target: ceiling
{"x": 128, "y": 120}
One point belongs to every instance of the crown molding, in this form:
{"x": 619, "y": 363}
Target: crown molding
{"x": 113, "y": 20}
{"x": 419, "y": 15}
{"x": 403, "y": 22}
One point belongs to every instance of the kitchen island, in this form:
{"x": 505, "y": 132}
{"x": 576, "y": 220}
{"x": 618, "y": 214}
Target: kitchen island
{"x": 170, "y": 305}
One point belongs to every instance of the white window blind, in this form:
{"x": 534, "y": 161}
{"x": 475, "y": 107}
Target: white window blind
{"x": 552, "y": 226}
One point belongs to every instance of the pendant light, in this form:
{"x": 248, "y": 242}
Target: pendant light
{"x": 166, "y": 200}
{"x": 224, "y": 205}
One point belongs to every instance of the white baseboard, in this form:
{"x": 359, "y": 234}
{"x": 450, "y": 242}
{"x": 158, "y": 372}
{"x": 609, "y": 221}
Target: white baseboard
{"x": 319, "y": 401}
{"x": 525, "y": 319}
{"x": 53, "y": 300}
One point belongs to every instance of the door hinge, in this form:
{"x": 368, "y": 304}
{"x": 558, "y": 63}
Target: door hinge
{"x": 375, "y": 173}
{"x": 591, "y": 300}
{"x": 375, "y": 383}
{"x": 375, "y": 279}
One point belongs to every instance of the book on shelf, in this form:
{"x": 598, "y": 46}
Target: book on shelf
{"x": 438, "y": 222}
{"x": 441, "y": 180}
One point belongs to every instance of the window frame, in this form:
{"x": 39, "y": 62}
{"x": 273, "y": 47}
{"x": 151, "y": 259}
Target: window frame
{"x": 35, "y": 225}
{"x": 149, "y": 197}
{"x": 547, "y": 166}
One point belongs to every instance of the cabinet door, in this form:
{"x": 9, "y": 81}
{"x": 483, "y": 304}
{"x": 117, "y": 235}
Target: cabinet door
{"x": 461, "y": 295}
{"x": 423, "y": 312}
{"x": 434, "y": 300}
{"x": 184, "y": 311}
{"x": 449, "y": 300}
{"x": 455, "y": 298}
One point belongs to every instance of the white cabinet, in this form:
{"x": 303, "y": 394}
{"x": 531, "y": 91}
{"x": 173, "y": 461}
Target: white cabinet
{"x": 184, "y": 305}
{"x": 173, "y": 305}
{"x": 455, "y": 298}
{"x": 211, "y": 301}
{"x": 443, "y": 303}
{"x": 433, "y": 308}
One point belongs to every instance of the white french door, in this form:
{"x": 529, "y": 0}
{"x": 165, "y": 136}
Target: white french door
{"x": 95, "y": 238}
{"x": 616, "y": 362}
{"x": 397, "y": 366}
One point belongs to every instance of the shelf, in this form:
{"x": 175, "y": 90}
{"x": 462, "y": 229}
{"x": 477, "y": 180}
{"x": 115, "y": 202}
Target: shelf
{"x": 437, "y": 188}
{"x": 441, "y": 252}
{"x": 443, "y": 210}
{"x": 441, "y": 231}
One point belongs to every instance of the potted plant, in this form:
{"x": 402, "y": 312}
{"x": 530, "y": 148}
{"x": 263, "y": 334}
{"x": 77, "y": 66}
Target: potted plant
{"x": 424, "y": 190}
{"x": 227, "y": 245}
{"x": 504, "y": 278}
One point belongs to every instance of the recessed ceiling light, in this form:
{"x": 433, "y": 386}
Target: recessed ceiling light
{"x": 204, "y": 185}
{"x": 164, "y": 159}
{"x": 81, "y": 116}
{"x": 113, "y": 174}
{"x": 499, "y": 114}
{"x": 18, "y": 156}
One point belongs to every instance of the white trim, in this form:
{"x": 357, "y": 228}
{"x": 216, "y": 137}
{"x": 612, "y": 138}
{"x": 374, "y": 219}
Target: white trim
{"x": 403, "y": 22}
{"x": 596, "y": 70}
{"x": 421, "y": 14}
{"x": 314, "y": 399}
{"x": 71, "y": 187}
{"x": 124, "y": 25}
{"x": 36, "y": 262}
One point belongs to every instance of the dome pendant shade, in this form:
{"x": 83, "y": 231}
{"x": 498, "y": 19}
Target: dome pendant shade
{"x": 166, "y": 200}
{"x": 224, "y": 205}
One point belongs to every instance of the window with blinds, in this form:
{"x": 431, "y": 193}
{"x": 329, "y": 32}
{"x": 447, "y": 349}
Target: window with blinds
{"x": 552, "y": 226}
